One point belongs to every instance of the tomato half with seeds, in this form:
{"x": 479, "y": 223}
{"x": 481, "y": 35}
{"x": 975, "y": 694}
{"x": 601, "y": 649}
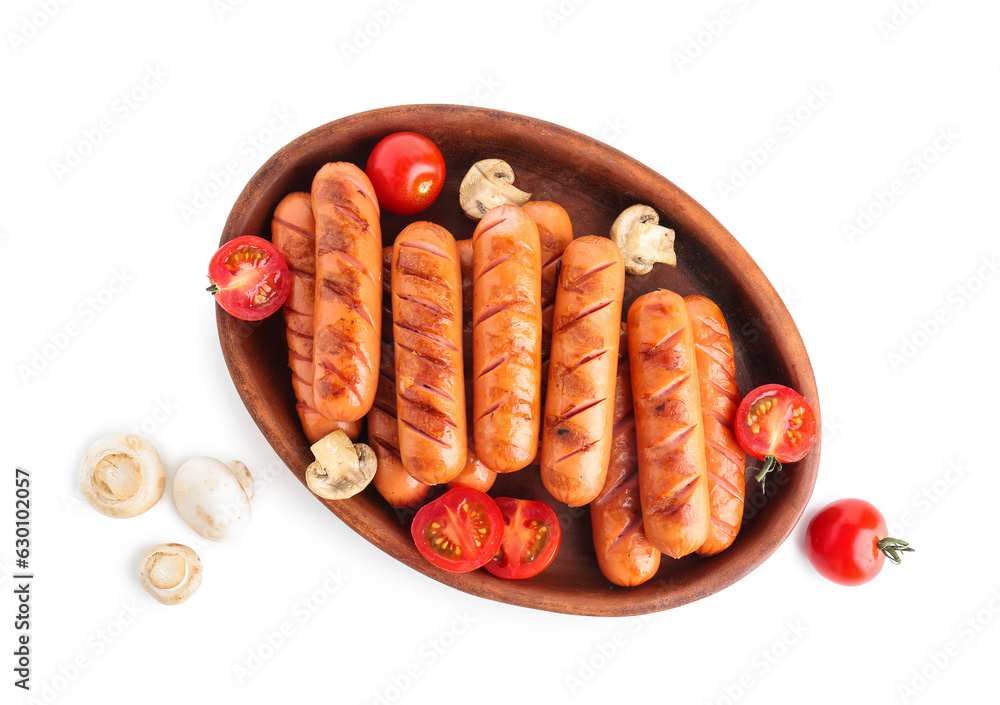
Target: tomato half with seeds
{"x": 775, "y": 424}
{"x": 531, "y": 539}
{"x": 250, "y": 278}
{"x": 459, "y": 531}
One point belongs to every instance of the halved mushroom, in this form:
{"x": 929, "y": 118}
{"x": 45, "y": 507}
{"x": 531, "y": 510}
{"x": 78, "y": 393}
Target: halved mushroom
{"x": 213, "y": 498}
{"x": 342, "y": 468}
{"x": 122, "y": 475}
{"x": 170, "y": 572}
{"x": 488, "y": 184}
{"x": 642, "y": 239}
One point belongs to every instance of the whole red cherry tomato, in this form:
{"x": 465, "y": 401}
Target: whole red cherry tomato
{"x": 407, "y": 171}
{"x": 249, "y": 277}
{"x": 847, "y": 542}
{"x": 776, "y": 425}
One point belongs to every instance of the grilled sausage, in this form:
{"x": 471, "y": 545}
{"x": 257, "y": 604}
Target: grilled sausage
{"x": 579, "y": 405}
{"x": 391, "y": 479}
{"x": 673, "y": 483}
{"x": 348, "y": 292}
{"x": 624, "y": 554}
{"x": 427, "y": 331}
{"x": 507, "y": 332}
{"x": 293, "y": 232}
{"x": 555, "y": 232}
{"x": 720, "y": 396}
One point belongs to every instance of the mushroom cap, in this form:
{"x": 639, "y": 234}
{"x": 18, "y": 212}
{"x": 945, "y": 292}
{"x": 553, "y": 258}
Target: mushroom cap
{"x": 488, "y": 184}
{"x": 642, "y": 240}
{"x": 170, "y": 572}
{"x": 211, "y": 499}
{"x": 122, "y": 475}
{"x": 342, "y": 468}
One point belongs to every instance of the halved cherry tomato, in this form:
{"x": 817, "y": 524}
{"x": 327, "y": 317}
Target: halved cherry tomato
{"x": 531, "y": 538}
{"x": 776, "y": 425}
{"x": 459, "y": 531}
{"x": 249, "y": 277}
{"x": 407, "y": 171}
{"x": 847, "y": 542}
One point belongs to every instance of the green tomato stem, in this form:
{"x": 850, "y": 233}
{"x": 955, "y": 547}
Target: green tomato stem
{"x": 771, "y": 463}
{"x": 891, "y": 548}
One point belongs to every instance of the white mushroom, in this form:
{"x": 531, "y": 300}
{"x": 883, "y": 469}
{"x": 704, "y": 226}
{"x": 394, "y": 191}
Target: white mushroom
{"x": 122, "y": 475}
{"x": 214, "y": 499}
{"x": 342, "y": 468}
{"x": 488, "y": 184}
{"x": 642, "y": 239}
{"x": 170, "y": 572}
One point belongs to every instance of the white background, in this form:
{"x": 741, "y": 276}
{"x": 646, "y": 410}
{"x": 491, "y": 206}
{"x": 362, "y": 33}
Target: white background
{"x": 900, "y": 92}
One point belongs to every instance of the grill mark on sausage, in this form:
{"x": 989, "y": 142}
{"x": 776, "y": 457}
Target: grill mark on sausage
{"x": 670, "y": 443}
{"x": 422, "y": 433}
{"x": 433, "y": 337}
{"x": 348, "y": 300}
{"x": 575, "y": 411}
{"x": 729, "y": 394}
{"x": 490, "y": 409}
{"x": 426, "y": 408}
{"x": 720, "y": 356}
{"x": 588, "y": 358}
{"x": 589, "y": 272}
{"x": 622, "y": 422}
{"x": 351, "y": 386}
{"x": 479, "y": 233}
{"x": 427, "y": 304}
{"x": 728, "y": 529}
{"x": 385, "y": 446}
{"x": 721, "y": 482}
{"x": 729, "y": 455}
{"x": 669, "y": 389}
{"x": 432, "y": 360}
{"x": 490, "y": 311}
{"x": 426, "y": 246}
{"x": 634, "y": 524}
{"x": 493, "y": 264}
{"x": 666, "y": 342}
{"x": 589, "y": 310}
{"x": 436, "y": 391}
{"x": 578, "y": 451}
{"x": 419, "y": 274}
{"x": 295, "y": 228}
{"x": 353, "y": 261}
{"x": 629, "y": 480}
{"x": 678, "y": 498}
{"x": 495, "y": 363}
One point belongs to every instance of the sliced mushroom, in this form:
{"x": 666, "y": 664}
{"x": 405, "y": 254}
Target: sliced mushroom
{"x": 170, "y": 572}
{"x": 212, "y": 499}
{"x": 489, "y": 183}
{"x": 642, "y": 239}
{"x": 342, "y": 468}
{"x": 122, "y": 475}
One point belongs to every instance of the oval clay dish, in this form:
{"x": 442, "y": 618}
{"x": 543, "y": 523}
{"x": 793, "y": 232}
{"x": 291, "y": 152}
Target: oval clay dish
{"x": 594, "y": 182}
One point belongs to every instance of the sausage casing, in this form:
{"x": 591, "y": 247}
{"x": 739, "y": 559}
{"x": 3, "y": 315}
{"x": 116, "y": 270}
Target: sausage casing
{"x": 673, "y": 482}
{"x": 427, "y": 331}
{"x": 293, "y": 232}
{"x": 579, "y": 403}
{"x": 348, "y": 316}
{"x": 720, "y": 397}
{"x": 624, "y": 554}
{"x": 506, "y": 338}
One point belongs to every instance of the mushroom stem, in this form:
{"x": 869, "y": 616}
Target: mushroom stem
{"x": 488, "y": 184}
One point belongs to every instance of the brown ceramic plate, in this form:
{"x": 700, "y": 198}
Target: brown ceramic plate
{"x": 594, "y": 182}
